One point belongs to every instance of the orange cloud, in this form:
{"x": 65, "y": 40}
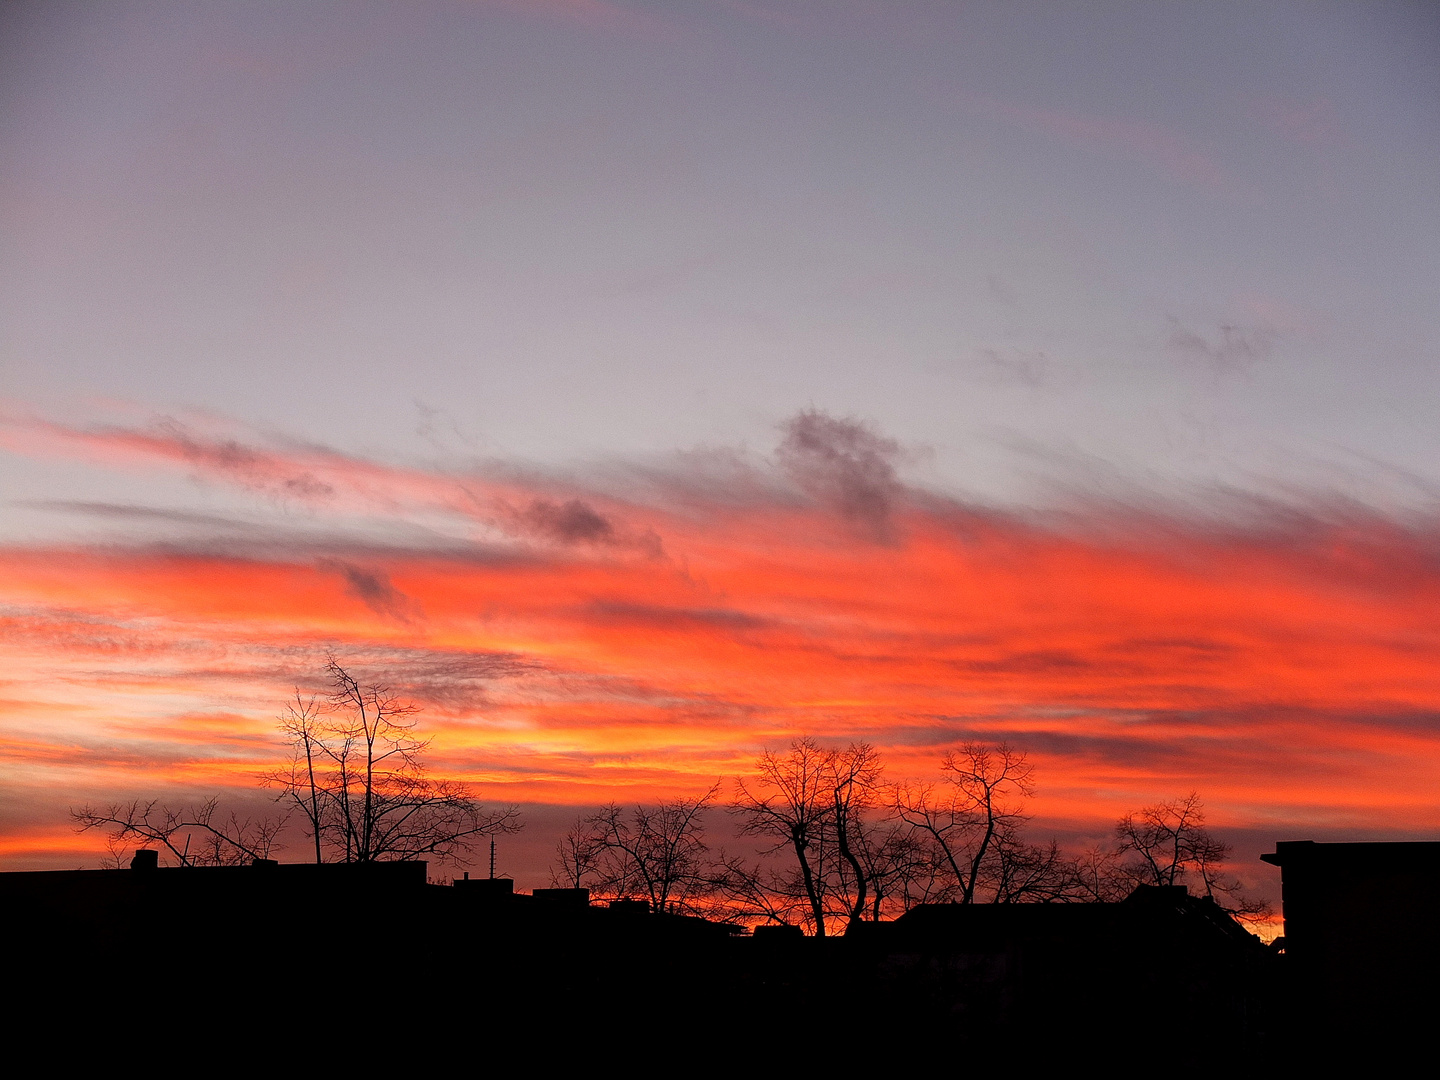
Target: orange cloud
{"x": 1282, "y": 665}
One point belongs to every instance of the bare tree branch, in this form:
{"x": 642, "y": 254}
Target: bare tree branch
{"x": 177, "y": 830}
{"x": 819, "y": 806}
{"x": 1167, "y": 844}
{"x": 969, "y": 817}
{"x": 355, "y": 774}
{"x": 656, "y": 853}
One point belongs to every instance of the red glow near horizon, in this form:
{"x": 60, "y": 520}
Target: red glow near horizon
{"x": 1284, "y": 672}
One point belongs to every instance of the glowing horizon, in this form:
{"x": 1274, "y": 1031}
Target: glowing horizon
{"x": 639, "y": 635}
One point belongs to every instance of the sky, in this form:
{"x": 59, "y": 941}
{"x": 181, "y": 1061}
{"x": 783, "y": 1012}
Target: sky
{"x": 639, "y": 386}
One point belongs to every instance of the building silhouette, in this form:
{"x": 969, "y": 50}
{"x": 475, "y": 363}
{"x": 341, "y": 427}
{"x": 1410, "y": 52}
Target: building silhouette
{"x": 1362, "y": 938}
{"x": 279, "y": 941}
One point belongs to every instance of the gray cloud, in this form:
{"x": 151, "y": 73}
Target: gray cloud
{"x": 244, "y": 466}
{"x": 1236, "y": 348}
{"x": 373, "y": 588}
{"x": 453, "y": 682}
{"x": 572, "y": 522}
{"x": 845, "y": 465}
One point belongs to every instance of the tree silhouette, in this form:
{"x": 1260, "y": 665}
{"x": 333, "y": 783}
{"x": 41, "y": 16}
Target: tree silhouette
{"x": 854, "y": 777}
{"x": 1166, "y": 840}
{"x": 355, "y": 775}
{"x": 900, "y": 867}
{"x": 1167, "y": 844}
{"x": 576, "y": 864}
{"x": 790, "y": 807}
{"x": 194, "y": 836}
{"x": 970, "y": 817}
{"x": 655, "y": 853}
{"x": 811, "y": 803}
{"x": 1026, "y": 873}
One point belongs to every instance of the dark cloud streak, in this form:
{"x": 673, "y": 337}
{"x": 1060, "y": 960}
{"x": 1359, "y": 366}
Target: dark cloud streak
{"x": 374, "y": 589}
{"x": 572, "y": 522}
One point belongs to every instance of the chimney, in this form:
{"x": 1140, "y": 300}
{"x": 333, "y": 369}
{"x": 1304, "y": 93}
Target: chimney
{"x": 145, "y": 859}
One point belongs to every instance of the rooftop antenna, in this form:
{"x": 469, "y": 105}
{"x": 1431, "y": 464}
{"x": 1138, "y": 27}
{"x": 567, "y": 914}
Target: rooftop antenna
{"x": 492, "y": 858}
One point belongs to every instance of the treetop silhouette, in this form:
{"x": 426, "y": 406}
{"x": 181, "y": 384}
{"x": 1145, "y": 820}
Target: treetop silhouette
{"x": 356, "y": 778}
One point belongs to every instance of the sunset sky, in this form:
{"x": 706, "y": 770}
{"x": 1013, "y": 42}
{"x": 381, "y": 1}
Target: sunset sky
{"x": 637, "y": 386}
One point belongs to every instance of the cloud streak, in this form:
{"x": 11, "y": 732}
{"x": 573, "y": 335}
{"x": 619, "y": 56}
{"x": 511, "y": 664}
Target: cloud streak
{"x": 374, "y": 589}
{"x": 1275, "y": 660}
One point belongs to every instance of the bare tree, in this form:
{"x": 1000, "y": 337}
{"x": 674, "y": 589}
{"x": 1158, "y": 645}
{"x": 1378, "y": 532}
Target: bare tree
{"x": 356, "y": 776}
{"x": 815, "y": 804}
{"x": 791, "y": 806}
{"x": 1162, "y": 840}
{"x": 971, "y": 816}
{"x": 854, "y": 784}
{"x": 656, "y": 853}
{"x": 1021, "y": 872}
{"x": 302, "y": 724}
{"x": 901, "y": 868}
{"x": 576, "y": 858}
{"x": 194, "y": 836}
{"x": 1100, "y": 876}
{"x": 757, "y": 892}
{"x": 1167, "y": 844}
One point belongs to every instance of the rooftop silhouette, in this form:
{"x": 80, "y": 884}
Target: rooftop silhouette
{"x": 1360, "y": 942}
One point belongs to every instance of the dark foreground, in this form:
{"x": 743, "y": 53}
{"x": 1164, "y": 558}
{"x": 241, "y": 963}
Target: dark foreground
{"x": 284, "y": 958}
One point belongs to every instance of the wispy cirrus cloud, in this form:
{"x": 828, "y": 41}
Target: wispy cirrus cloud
{"x": 1027, "y": 367}
{"x": 503, "y": 502}
{"x": 111, "y": 511}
